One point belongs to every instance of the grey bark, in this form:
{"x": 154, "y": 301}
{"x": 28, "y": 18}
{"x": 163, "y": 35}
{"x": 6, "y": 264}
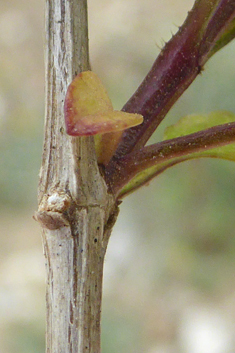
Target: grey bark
{"x": 75, "y": 209}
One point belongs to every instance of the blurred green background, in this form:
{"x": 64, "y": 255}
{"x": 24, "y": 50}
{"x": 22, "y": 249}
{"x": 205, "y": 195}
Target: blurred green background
{"x": 169, "y": 284}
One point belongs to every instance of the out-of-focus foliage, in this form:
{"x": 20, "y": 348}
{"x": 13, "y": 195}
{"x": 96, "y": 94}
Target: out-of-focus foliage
{"x": 169, "y": 271}
{"x": 21, "y": 101}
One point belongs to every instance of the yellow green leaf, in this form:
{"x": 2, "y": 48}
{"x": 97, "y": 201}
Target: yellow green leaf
{"x": 198, "y": 122}
{"x": 186, "y": 126}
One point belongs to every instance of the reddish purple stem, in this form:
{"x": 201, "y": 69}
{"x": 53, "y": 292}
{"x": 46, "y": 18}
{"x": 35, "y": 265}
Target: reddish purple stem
{"x": 128, "y": 166}
{"x": 176, "y": 67}
{"x": 174, "y": 70}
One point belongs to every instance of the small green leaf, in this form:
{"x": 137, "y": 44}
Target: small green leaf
{"x": 218, "y": 28}
{"x": 198, "y": 122}
{"x": 186, "y": 126}
{"x": 224, "y": 38}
